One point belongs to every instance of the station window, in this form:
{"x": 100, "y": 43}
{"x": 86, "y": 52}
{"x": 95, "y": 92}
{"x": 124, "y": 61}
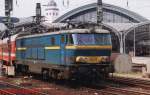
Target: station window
{"x": 53, "y": 41}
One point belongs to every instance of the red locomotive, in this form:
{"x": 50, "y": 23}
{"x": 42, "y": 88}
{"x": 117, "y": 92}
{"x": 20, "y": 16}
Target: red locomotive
{"x": 7, "y": 61}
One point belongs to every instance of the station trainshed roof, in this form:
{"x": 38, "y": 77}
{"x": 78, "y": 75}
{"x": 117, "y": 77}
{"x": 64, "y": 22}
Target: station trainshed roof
{"x": 113, "y": 8}
{"x": 121, "y": 26}
{"x": 115, "y": 27}
{"x": 142, "y": 32}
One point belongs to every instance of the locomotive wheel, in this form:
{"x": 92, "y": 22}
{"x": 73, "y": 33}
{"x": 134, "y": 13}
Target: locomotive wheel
{"x": 4, "y": 72}
{"x": 25, "y": 69}
{"x": 18, "y": 69}
{"x": 45, "y": 74}
{"x": 54, "y": 75}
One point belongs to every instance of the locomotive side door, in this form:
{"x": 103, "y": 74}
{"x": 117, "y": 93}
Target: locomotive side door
{"x": 62, "y": 50}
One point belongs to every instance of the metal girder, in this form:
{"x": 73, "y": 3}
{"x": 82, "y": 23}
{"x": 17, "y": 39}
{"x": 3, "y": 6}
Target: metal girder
{"x": 138, "y": 35}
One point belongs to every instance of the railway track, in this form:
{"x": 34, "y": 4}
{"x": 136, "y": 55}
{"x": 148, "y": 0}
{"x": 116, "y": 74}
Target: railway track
{"x": 145, "y": 84}
{"x": 124, "y": 86}
{"x": 8, "y": 88}
{"x": 12, "y": 89}
{"x": 116, "y": 91}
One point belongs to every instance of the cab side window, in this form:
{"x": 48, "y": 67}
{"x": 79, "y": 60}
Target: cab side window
{"x": 69, "y": 39}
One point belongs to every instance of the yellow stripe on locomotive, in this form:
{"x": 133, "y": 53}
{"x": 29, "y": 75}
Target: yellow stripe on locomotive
{"x": 52, "y": 47}
{"x": 89, "y": 47}
{"x": 21, "y": 49}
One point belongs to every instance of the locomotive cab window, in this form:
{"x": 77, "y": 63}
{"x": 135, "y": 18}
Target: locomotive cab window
{"x": 92, "y": 39}
{"x": 69, "y": 39}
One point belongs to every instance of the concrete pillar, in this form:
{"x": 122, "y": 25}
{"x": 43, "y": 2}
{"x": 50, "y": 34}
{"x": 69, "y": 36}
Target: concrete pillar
{"x": 134, "y": 43}
{"x": 121, "y": 42}
{"x": 124, "y": 45}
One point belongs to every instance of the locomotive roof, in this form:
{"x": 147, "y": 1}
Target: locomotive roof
{"x": 71, "y": 31}
{"x": 85, "y": 31}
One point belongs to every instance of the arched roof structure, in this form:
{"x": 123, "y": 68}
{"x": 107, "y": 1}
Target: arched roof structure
{"x": 142, "y": 32}
{"x": 136, "y": 26}
{"x": 137, "y": 39}
{"x": 133, "y": 17}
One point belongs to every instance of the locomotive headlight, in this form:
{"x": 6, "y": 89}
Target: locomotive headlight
{"x": 80, "y": 59}
{"x": 88, "y": 59}
{"x": 92, "y": 59}
{"x": 105, "y": 59}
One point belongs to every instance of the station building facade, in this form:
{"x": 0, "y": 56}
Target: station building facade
{"x": 130, "y": 31}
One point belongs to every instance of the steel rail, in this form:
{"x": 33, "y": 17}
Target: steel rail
{"x": 4, "y": 92}
{"x": 117, "y": 91}
{"x": 33, "y": 92}
{"x": 132, "y": 81}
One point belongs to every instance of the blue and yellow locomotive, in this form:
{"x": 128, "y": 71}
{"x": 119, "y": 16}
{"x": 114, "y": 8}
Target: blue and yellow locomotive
{"x": 65, "y": 54}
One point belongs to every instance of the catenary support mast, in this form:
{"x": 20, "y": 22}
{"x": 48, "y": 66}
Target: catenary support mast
{"x": 99, "y": 13}
{"x": 9, "y": 68}
{"x": 38, "y": 13}
{"x": 8, "y": 23}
